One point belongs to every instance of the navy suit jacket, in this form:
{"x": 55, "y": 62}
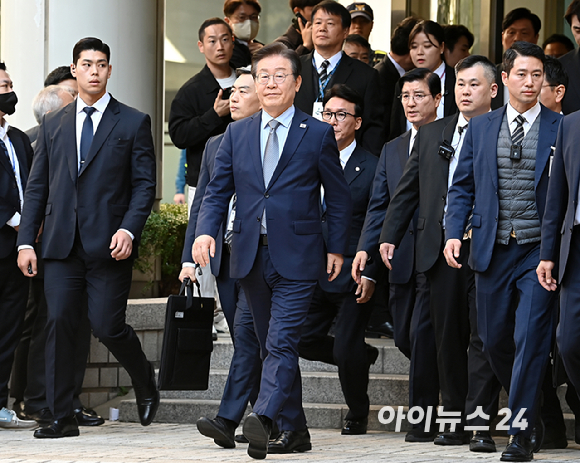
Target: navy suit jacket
{"x": 388, "y": 174}
{"x": 205, "y": 174}
{"x": 292, "y": 199}
{"x": 9, "y": 198}
{"x": 571, "y": 63}
{"x": 475, "y": 183}
{"x": 558, "y": 221}
{"x": 358, "y": 172}
{"x": 114, "y": 189}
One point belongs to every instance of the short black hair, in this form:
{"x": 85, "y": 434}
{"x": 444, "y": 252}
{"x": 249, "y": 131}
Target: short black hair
{"x": 246, "y": 70}
{"x": 57, "y": 75}
{"x": 453, "y": 32}
{"x": 572, "y": 10}
{"x": 302, "y": 3}
{"x": 230, "y": 6}
{"x": 521, "y": 13}
{"x": 554, "y": 72}
{"x": 432, "y": 79}
{"x": 277, "y": 49}
{"x": 359, "y": 40}
{"x": 468, "y": 62}
{"x": 335, "y": 9}
{"x": 2, "y": 66}
{"x": 346, "y": 93}
{"x": 400, "y": 37}
{"x": 91, "y": 43}
{"x": 212, "y": 22}
{"x": 558, "y": 38}
{"x": 521, "y": 48}
{"x": 428, "y": 28}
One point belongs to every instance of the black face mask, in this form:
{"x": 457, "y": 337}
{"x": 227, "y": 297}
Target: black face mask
{"x": 8, "y": 102}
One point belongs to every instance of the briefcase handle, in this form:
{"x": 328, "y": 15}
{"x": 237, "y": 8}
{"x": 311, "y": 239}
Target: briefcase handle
{"x": 187, "y": 283}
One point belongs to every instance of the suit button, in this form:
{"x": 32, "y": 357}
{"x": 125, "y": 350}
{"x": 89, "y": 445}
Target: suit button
{"x": 496, "y": 219}
{"x": 14, "y": 185}
{"x": 442, "y": 198}
{"x": 410, "y": 232}
{"x": 441, "y": 222}
{"x": 266, "y": 196}
{"x": 258, "y": 219}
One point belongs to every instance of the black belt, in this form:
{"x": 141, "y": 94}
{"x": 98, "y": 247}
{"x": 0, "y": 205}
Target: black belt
{"x": 263, "y": 241}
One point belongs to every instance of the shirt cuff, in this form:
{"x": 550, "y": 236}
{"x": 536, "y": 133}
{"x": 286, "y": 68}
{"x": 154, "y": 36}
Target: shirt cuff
{"x": 24, "y": 246}
{"x": 128, "y": 233}
{"x": 187, "y": 264}
{"x": 367, "y": 278}
{"x": 14, "y": 220}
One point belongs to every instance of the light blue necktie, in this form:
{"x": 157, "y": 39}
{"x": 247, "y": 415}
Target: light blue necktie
{"x": 271, "y": 156}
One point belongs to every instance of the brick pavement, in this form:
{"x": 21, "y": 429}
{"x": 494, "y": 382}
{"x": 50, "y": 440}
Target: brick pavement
{"x": 117, "y": 442}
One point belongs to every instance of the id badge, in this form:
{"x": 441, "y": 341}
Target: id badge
{"x": 317, "y": 110}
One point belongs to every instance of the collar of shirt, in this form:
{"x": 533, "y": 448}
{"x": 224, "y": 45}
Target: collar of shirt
{"x": 285, "y": 120}
{"x": 100, "y": 105}
{"x": 333, "y": 60}
{"x": 461, "y": 122}
{"x": 440, "y": 71}
{"x": 398, "y": 67}
{"x": 530, "y": 115}
{"x": 346, "y": 153}
{"x": 412, "y": 139}
{"x": 4, "y": 129}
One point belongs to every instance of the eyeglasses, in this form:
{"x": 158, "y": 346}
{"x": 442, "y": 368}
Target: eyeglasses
{"x": 417, "y": 97}
{"x": 263, "y": 77}
{"x": 339, "y": 115}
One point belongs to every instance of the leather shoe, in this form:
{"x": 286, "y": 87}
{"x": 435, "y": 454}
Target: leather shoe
{"x": 537, "y": 436}
{"x": 241, "y": 439}
{"x": 418, "y": 435}
{"x": 290, "y": 442}
{"x": 257, "y": 430}
{"x": 452, "y": 438}
{"x": 372, "y": 354}
{"x": 64, "y": 427}
{"x": 43, "y": 417}
{"x": 147, "y": 398}
{"x": 482, "y": 442}
{"x": 519, "y": 448}
{"x": 219, "y": 429}
{"x": 274, "y": 433}
{"x": 86, "y": 418}
{"x": 384, "y": 330}
{"x": 354, "y": 427}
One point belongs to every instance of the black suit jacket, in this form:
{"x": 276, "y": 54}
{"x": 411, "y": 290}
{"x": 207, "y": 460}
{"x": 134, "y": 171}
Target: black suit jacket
{"x": 192, "y": 119}
{"x": 9, "y": 198}
{"x": 388, "y": 78}
{"x": 398, "y": 120}
{"x": 423, "y": 185}
{"x": 358, "y": 76}
{"x": 571, "y": 63}
{"x": 114, "y": 189}
{"x": 388, "y": 174}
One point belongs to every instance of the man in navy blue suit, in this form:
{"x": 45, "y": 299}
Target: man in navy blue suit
{"x": 502, "y": 181}
{"x": 276, "y": 161}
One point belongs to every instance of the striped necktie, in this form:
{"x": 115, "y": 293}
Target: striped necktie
{"x": 323, "y": 75}
{"x": 518, "y": 134}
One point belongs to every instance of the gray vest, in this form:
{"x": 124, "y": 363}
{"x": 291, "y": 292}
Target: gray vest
{"x": 517, "y": 196}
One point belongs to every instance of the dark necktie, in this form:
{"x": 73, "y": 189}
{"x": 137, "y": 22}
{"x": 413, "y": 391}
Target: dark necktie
{"x": 518, "y": 134}
{"x": 5, "y": 151}
{"x": 86, "y": 134}
{"x": 323, "y": 75}
{"x": 461, "y": 129}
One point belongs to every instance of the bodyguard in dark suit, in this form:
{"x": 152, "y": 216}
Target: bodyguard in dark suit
{"x": 342, "y": 301}
{"x": 502, "y": 179}
{"x": 276, "y": 161}
{"x": 409, "y": 290}
{"x": 571, "y": 60}
{"x": 93, "y": 184}
{"x": 327, "y": 65}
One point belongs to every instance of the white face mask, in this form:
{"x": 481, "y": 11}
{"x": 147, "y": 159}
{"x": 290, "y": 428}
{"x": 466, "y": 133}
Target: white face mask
{"x": 246, "y": 31}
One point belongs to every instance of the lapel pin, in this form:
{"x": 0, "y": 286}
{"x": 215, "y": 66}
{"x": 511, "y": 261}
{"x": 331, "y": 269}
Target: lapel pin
{"x": 357, "y": 168}
{"x": 302, "y": 126}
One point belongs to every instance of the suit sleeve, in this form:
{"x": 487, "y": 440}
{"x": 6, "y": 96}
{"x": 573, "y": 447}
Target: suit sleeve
{"x": 373, "y": 116}
{"x": 462, "y": 192}
{"x": 336, "y": 195}
{"x": 143, "y": 174}
{"x": 556, "y": 202}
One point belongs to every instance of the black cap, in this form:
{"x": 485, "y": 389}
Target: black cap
{"x": 361, "y": 9}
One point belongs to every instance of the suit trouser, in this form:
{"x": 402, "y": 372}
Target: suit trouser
{"x": 279, "y": 307}
{"x": 106, "y": 283}
{"x": 515, "y": 318}
{"x": 13, "y": 296}
{"x": 346, "y": 349}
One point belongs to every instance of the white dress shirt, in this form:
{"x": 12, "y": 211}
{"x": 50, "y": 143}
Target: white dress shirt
{"x": 15, "y": 219}
{"x": 530, "y": 116}
{"x": 333, "y": 60}
{"x": 457, "y": 144}
{"x": 412, "y": 139}
{"x": 398, "y": 67}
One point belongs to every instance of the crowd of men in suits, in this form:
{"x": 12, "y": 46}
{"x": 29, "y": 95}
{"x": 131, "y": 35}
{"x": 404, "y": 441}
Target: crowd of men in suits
{"x": 311, "y": 173}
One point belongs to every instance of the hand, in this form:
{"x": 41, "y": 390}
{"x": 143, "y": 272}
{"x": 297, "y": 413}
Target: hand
{"x": 200, "y": 248}
{"x": 451, "y": 252}
{"x": 358, "y": 265}
{"x": 333, "y": 265}
{"x": 387, "y": 252}
{"x": 122, "y": 245}
{"x": 17, "y": 227}
{"x": 306, "y": 32}
{"x": 26, "y": 259}
{"x": 187, "y": 272}
{"x": 221, "y": 107}
{"x": 545, "y": 278}
{"x": 179, "y": 198}
{"x": 366, "y": 289}
{"x": 254, "y": 46}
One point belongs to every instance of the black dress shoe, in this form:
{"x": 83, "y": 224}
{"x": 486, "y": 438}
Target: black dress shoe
{"x": 43, "y": 417}
{"x": 482, "y": 442}
{"x": 452, "y": 438}
{"x": 274, "y": 433}
{"x": 147, "y": 398}
{"x": 537, "y": 436}
{"x": 257, "y": 430}
{"x": 290, "y": 442}
{"x": 384, "y": 330}
{"x": 354, "y": 427}
{"x": 219, "y": 429}
{"x": 241, "y": 439}
{"x": 372, "y": 354}
{"x": 418, "y": 435}
{"x": 64, "y": 427}
{"x": 84, "y": 418}
{"x": 519, "y": 448}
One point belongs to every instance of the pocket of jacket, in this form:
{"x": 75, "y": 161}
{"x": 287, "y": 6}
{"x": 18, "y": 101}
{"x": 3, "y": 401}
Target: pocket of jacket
{"x": 420, "y": 223}
{"x": 48, "y": 209}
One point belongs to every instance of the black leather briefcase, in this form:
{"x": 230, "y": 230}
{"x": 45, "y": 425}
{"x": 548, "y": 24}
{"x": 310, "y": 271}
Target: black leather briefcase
{"x": 187, "y": 341}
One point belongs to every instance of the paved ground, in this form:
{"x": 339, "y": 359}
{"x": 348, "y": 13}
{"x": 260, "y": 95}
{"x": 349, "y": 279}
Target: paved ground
{"x": 130, "y": 443}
